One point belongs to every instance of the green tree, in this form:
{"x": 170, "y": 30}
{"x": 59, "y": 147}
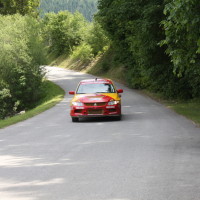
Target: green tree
{"x": 21, "y": 54}
{"x": 94, "y": 43}
{"x": 23, "y": 7}
{"x": 63, "y": 31}
{"x": 183, "y": 40}
{"x": 97, "y": 38}
{"x": 182, "y": 33}
{"x": 136, "y": 33}
{"x": 134, "y": 28}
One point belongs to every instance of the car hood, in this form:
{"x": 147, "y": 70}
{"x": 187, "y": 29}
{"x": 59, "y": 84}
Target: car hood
{"x": 99, "y": 97}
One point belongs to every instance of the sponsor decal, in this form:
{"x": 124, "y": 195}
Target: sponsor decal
{"x": 95, "y": 99}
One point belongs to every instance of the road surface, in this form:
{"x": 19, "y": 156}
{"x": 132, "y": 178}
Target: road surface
{"x": 152, "y": 154}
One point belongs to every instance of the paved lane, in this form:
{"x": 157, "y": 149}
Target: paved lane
{"x": 152, "y": 154}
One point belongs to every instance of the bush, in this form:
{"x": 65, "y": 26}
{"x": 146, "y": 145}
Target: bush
{"x": 82, "y": 52}
{"x": 6, "y": 103}
{"x": 21, "y": 55}
{"x": 97, "y": 39}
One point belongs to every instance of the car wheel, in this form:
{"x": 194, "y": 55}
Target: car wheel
{"x": 75, "y": 119}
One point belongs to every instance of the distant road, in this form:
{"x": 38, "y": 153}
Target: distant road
{"x": 152, "y": 154}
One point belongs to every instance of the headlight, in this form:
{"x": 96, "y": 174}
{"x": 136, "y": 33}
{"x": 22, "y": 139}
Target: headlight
{"x": 111, "y": 103}
{"x": 77, "y": 103}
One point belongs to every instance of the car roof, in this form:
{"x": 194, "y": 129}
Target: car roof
{"x": 96, "y": 80}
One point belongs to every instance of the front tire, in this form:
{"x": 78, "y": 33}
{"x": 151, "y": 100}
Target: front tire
{"x": 75, "y": 119}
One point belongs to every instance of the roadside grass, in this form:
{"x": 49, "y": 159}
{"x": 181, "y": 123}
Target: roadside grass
{"x": 106, "y": 67}
{"x": 190, "y": 109}
{"x": 52, "y": 95}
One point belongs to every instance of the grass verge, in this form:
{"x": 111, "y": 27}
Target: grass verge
{"x": 53, "y": 95}
{"x": 189, "y": 109}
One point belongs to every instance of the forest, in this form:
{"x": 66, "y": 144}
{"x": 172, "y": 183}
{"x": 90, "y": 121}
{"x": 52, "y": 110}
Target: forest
{"x": 87, "y": 7}
{"x": 156, "y": 42}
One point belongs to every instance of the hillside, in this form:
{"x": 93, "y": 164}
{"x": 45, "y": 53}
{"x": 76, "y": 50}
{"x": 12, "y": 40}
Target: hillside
{"x": 86, "y": 7}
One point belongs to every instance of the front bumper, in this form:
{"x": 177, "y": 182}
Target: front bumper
{"x": 96, "y": 111}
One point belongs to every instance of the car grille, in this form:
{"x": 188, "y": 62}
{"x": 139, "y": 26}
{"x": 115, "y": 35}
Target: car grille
{"x": 95, "y": 104}
{"x": 95, "y": 112}
{"x": 78, "y": 111}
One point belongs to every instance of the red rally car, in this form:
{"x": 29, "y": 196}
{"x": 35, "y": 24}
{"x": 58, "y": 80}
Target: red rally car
{"x": 96, "y": 98}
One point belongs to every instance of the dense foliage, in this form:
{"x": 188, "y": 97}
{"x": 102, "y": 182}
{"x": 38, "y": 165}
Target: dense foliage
{"x": 67, "y": 33}
{"x": 63, "y": 31}
{"x": 147, "y": 48}
{"x": 183, "y": 41}
{"x": 86, "y": 7}
{"x": 94, "y": 43}
{"x": 23, "y": 7}
{"x": 21, "y": 55}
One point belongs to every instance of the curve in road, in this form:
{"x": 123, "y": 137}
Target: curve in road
{"x": 152, "y": 154}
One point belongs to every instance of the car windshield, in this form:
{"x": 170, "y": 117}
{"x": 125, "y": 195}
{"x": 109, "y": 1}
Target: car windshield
{"x": 95, "y": 88}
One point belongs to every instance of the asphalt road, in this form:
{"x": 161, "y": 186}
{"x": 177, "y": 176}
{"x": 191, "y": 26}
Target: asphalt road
{"x": 152, "y": 154}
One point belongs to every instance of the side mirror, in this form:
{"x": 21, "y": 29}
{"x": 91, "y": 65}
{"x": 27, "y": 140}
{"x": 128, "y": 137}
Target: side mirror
{"x": 120, "y": 91}
{"x": 71, "y": 92}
